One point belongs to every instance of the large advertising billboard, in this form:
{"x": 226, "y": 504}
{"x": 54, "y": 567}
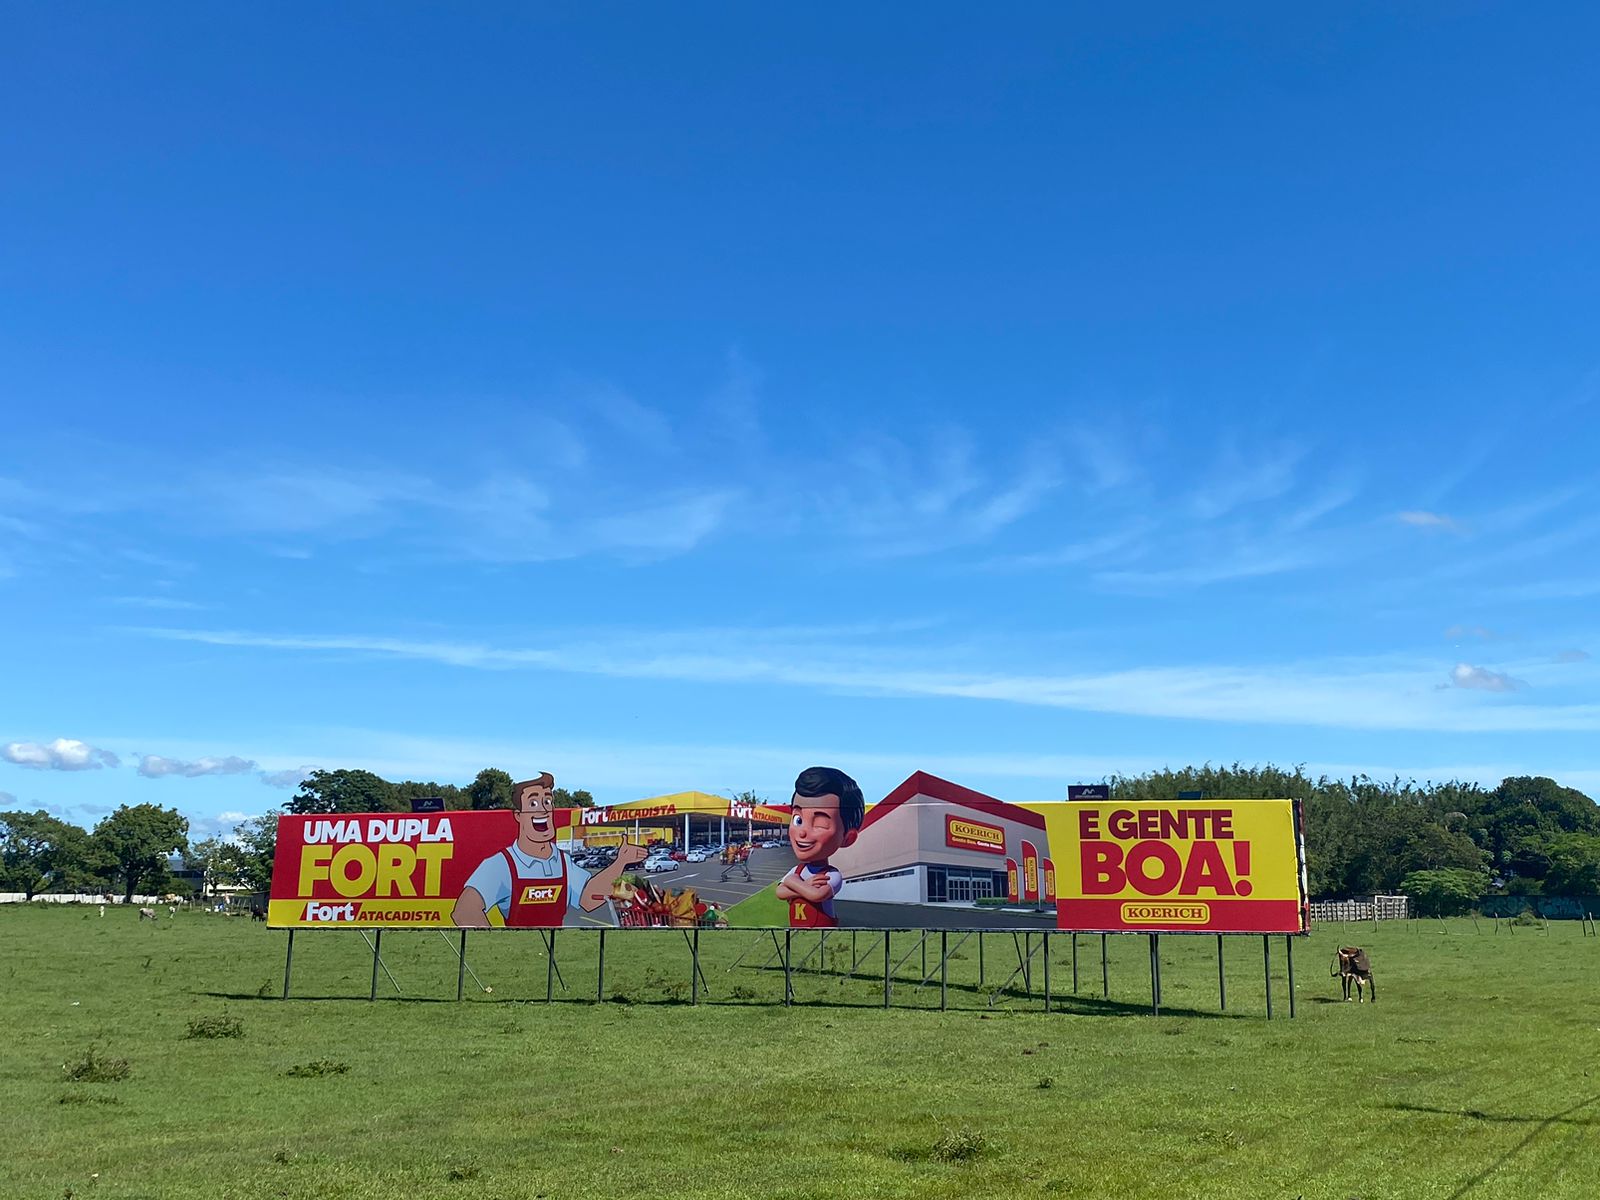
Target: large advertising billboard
{"x": 1200, "y": 866}
{"x": 930, "y": 855}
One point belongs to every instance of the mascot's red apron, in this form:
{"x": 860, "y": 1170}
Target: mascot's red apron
{"x": 805, "y": 915}
{"x": 536, "y": 903}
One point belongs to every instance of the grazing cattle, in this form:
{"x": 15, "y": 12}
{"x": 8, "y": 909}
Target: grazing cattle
{"x": 258, "y": 914}
{"x": 147, "y": 914}
{"x": 1353, "y": 967}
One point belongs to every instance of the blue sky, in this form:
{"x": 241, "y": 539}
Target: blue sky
{"x": 676, "y": 396}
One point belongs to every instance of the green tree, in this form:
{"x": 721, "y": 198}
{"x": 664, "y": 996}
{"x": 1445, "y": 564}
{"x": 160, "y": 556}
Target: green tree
{"x": 38, "y": 851}
{"x": 134, "y": 843}
{"x": 1444, "y": 893}
{"x": 254, "y": 848}
{"x": 1574, "y": 865}
{"x": 491, "y": 789}
{"x": 408, "y": 790}
{"x": 331, "y": 792}
{"x": 562, "y": 798}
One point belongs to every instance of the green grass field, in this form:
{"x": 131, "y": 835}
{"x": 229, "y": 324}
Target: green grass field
{"x": 1476, "y": 1074}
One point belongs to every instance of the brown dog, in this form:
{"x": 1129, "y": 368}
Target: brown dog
{"x": 1353, "y": 967}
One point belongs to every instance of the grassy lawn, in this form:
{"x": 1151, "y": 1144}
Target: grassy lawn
{"x": 1476, "y": 1075}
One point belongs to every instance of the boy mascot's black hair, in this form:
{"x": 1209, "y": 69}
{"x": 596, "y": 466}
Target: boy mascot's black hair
{"x": 830, "y": 781}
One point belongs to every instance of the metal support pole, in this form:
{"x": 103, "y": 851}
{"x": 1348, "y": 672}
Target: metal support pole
{"x": 288, "y": 963}
{"x": 377, "y": 941}
{"x": 1222, "y": 980}
{"x": 1047, "y": 970}
{"x": 1105, "y": 974}
{"x": 1155, "y": 979}
{"x": 980, "y": 958}
{"x": 1266, "y": 964}
{"x": 1288, "y": 952}
{"x": 1074, "y": 964}
{"x": 694, "y": 966}
{"x": 550, "y": 967}
{"x": 944, "y": 970}
{"x": 461, "y": 970}
{"x": 788, "y": 984}
{"x": 924, "y": 955}
{"x": 886, "y": 968}
{"x": 600, "y": 974}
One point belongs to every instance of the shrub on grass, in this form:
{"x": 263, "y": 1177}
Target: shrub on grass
{"x": 318, "y": 1067}
{"x": 960, "y": 1145}
{"x": 215, "y": 1027}
{"x": 94, "y": 1067}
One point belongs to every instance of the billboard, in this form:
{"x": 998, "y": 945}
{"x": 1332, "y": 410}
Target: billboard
{"x": 1212, "y": 866}
{"x": 931, "y": 855}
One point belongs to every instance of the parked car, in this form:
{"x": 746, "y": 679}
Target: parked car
{"x": 697, "y": 856}
{"x": 654, "y": 865}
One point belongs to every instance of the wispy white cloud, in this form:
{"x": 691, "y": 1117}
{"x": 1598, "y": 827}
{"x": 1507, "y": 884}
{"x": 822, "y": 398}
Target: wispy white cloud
{"x": 290, "y": 778}
{"x": 1077, "y": 553}
{"x": 1419, "y": 519}
{"x": 7, "y": 798}
{"x": 1572, "y": 655}
{"x": 1339, "y": 693}
{"x": 216, "y": 825}
{"x": 63, "y": 754}
{"x": 1244, "y": 564}
{"x": 1464, "y": 675}
{"x": 1242, "y": 478}
{"x": 153, "y": 766}
{"x": 1309, "y": 512}
{"x": 167, "y": 603}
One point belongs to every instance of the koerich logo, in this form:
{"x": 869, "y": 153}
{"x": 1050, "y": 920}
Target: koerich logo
{"x": 317, "y": 911}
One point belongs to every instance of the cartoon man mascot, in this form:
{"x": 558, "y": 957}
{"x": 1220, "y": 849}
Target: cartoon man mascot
{"x": 827, "y": 811}
{"x": 533, "y": 882}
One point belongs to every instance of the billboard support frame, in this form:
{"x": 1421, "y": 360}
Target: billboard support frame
{"x": 783, "y": 949}
{"x": 944, "y": 971}
{"x": 463, "y": 969}
{"x": 1047, "y": 970}
{"x": 886, "y": 986}
{"x": 1266, "y": 965}
{"x": 1288, "y": 951}
{"x": 694, "y": 950}
{"x": 694, "y": 963}
{"x": 377, "y": 961}
{"x": 788, "y": 978}
{"x": 1222, "y": 979}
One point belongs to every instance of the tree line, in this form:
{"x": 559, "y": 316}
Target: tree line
{"x": 1443, "y": 844}
{"x": 131, "y": 851}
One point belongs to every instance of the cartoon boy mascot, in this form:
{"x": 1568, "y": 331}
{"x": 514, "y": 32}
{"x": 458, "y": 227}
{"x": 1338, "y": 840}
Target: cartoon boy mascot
{"x": 828, "y": 810}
